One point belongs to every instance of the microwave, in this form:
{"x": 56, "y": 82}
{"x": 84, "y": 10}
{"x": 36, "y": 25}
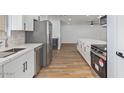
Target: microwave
{"x": 103, "y": 20}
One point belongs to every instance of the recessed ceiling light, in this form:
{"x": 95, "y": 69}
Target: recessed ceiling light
{"x": 99, "y": 16}
{"x": 69, "y": 19}
{"x": 92, "y": 24}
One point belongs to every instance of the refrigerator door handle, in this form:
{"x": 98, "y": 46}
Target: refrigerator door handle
{"x": 119, "y": 54}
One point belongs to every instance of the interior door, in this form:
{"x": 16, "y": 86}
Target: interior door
{"x": 120, "y": 46}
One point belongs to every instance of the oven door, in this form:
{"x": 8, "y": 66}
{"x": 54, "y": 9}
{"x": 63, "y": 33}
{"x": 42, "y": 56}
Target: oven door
{"x": 99, "y": 65}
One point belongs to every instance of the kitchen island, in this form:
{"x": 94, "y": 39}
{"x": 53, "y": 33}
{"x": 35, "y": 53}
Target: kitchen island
{"x": 84, "y": 48}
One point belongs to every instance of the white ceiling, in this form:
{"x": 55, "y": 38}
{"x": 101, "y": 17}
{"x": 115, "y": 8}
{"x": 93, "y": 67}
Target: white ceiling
{"x": 77, "y": 19}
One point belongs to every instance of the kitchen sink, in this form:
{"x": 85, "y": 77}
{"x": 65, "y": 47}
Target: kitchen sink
{"x": 14, "y": 50}
{"x": 10, "y": 52}
{"x": 5, "y": 54}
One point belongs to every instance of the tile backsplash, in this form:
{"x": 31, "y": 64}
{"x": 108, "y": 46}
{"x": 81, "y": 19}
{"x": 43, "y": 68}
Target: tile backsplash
{"x": 2, "y": 39}
{"x": 17, "y": 38}
{"x": 2, "y": 35}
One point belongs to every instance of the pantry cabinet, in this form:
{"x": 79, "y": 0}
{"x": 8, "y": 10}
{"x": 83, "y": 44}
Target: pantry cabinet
{"x": 28, "y": 23}
{"x": 20, "y": 22}
{"x": 21, "y": 67}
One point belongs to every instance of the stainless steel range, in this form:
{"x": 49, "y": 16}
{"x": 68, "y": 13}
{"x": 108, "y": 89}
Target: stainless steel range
{"x": 99, "y": 59}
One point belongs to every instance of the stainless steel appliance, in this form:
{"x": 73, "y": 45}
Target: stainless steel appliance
{"x": 42, "y": 34}
{"x": 103, "y": 20}
{"x": 99, "y": 59}
{"x": 38, "y": 59}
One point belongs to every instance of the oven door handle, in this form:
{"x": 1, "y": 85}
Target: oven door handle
{"x": 119, "y": 54}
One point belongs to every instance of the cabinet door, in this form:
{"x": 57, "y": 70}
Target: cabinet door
{"x": 30, "y": 71}
{"x": 36, "y": 17}
{"x": 15, "y": 68}
{"x": 78, "y": 46}
{"x": 22, "y": 67}
{"x": 83, "y": 49}
{"x": 2, "y": 23}
{"x": 16, "y": 22}
{"x": 119, "y": 47}
{"x": 87, "y": 55}
{"x": 28, "y": 21}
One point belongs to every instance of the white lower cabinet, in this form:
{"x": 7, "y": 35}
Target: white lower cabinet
{"x": 21, "y": 67}
{"x": 84, "y": 48}
{"x": 30, "y": 70}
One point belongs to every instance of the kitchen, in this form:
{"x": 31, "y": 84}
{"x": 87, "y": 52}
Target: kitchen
{"x": 80, "y": 47}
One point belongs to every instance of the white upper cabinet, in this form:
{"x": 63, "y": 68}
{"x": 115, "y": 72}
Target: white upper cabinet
{"x": 2, "y": 23}
{"x": 17, "y": 22}
{"x": 20, "y": 22}
{"x": 35, "y": 17}
{"x": 28, "y": 23}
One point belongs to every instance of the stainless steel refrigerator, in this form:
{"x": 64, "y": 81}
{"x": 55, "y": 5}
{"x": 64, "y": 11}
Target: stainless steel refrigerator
{"x": 42, "y": 34}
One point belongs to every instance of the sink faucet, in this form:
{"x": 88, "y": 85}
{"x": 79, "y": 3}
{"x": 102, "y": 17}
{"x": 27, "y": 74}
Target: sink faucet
{"x": 1, "y": 42}
{"x": 6, "y": 42}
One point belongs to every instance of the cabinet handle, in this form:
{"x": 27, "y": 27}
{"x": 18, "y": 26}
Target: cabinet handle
{"x": 24, "y": 26}
{"x": 24, "y": 67}
{"x": 119, "y": 54}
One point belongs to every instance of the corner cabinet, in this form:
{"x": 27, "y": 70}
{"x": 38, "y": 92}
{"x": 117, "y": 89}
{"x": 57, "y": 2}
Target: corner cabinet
{"x": 20, "y": 22}
{"x": 21, "y": 67}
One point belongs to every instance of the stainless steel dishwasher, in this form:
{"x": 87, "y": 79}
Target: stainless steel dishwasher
{"x": 39, "y": 53}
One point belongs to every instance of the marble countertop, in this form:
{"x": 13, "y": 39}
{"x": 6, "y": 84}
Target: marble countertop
{"x": 28, "y": 47}
{"x": 92, "y": 41}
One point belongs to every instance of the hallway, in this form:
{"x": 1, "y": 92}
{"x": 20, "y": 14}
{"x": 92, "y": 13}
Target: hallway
{"x": 67, "y": 63}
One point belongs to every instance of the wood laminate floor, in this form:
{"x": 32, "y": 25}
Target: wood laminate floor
{"x": 67, "y": 63}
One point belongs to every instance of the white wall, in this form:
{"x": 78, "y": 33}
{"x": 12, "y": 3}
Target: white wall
{"x": 56, "y": 31}
{"x": 70, "y": 33}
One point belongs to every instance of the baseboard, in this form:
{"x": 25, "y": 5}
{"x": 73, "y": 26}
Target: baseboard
{"x": 68, "y": 43}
